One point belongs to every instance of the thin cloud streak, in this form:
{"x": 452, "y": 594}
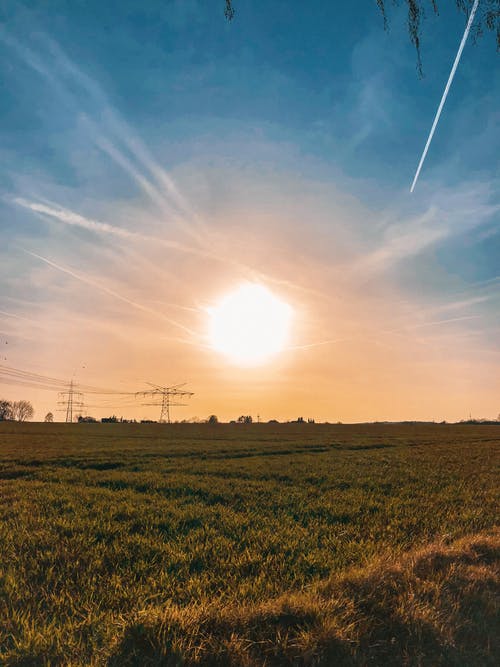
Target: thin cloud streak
{"x": 166, "y": 198}
{"x": 405, "y": 329}
{"x": 455, "y": 213}
{"x": 140, "y": 152}
{"x": 466, "y": 303}
{"x": 107, "y": 290}
{"x": 72, "y": 218}
{"x": 156, "y": 196}
{"x": 485, "y": 283}
{"x": 122, "y": 129}
{"x": 435, "y": 323}
{"x": 482, "y": 286}
{"x": 17, "y": 317}
{"x": 306, "y": 346}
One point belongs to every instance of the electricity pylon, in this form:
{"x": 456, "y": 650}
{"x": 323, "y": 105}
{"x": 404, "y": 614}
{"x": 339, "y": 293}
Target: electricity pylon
{"x": 71, "y": 399}
{"x": 167, "y": 396}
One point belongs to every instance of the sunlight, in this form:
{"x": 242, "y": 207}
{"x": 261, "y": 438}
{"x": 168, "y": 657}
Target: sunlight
{"x": 249, "y": 325}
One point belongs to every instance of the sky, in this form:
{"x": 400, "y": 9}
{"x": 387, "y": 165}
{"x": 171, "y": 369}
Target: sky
{"x": 154, "y": 157}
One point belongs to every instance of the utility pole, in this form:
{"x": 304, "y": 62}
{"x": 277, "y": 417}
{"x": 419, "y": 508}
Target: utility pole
{"x": 167, "y": 398}
{"x": 71, "y": 399}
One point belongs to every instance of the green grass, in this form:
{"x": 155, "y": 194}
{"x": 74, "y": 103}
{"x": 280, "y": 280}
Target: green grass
{"x": 186, "y": 544}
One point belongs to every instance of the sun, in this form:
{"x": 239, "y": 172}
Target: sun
{"x": 250, "y": 325}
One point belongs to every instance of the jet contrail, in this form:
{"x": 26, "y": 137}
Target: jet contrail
{"x": 446, "y": 90}
{"x": 402, "y": 330}
{"x": 433, "y": 324}
{"x": 109, "y": 291}
{"x": 17, "y": 317}
{"x": 69, "y": 217}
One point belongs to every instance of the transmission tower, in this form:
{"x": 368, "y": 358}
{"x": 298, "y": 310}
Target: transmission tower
{"x": 72, "y": 400}
{"x": 167, "y": 397}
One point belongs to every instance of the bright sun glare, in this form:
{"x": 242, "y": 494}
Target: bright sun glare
{"x": 249, "y": 325}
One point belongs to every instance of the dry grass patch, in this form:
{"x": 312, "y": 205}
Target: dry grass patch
{"x": 435, "y": 606}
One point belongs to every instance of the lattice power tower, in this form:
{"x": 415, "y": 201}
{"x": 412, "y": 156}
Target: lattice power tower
{"x": 167, "y": 398}
{"x": 72, "y": 400}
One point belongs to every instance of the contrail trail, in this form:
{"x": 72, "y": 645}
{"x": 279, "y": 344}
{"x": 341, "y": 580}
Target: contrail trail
{"x": 111, "y": 292}
{"x": 445, "y": 94}
{"x": 433, "y": 324}
{"x": 69, "y": 217}
{"x": 403, "y": 330}
{"x": 17, "y": 317}
{"x": 72, "y": 218}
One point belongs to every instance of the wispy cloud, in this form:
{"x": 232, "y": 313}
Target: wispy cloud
{"x": 449, "y": 213}
{"x": 72, "y": 218}
{"x": 435, "y": 323}
{"x": 103, "y": 288}
{"x": 462, "y": 304}
{"x": 111, "y": 134}
{"x": 14, "y": 316}
{"x": 375, "y": 335}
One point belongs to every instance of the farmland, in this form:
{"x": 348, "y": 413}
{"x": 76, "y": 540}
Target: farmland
{"x": 124, "y": 544}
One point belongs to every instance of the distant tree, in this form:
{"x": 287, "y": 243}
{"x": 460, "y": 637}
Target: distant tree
{"x": 5, "y": 410}
{"x": 488, "y": 16}
{"x": 212, "y": 420}
{"x": 86, "y": 420}
{"x": 22, "y": 411}
{"x": 110, "y": 420}
{"x": 49, "y": 417}
{"x": 245, "y": 419}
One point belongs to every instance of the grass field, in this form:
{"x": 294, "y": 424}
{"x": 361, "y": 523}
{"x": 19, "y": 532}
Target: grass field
{"x": 249, "y": 545}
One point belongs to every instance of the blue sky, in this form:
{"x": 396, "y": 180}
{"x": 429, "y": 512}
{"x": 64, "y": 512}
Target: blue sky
{"x": 160, "y": 155}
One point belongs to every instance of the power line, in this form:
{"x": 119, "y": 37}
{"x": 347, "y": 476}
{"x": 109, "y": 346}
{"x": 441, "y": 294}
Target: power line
{"x": 9, "y": 375}
{"x": 71, "y": 394}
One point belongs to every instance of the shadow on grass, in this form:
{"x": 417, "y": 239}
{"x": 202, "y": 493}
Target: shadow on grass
{"x": 15, "y": 474}
{"x": 437, "y": 606}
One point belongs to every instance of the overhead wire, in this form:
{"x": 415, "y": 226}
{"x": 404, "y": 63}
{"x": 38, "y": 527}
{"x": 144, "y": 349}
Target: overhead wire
{"x": 112, "y": 399}
{"x": 9, "y": 374}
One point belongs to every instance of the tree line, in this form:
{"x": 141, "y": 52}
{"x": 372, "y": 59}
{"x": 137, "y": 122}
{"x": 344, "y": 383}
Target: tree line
{"x": 20, "y": 411}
